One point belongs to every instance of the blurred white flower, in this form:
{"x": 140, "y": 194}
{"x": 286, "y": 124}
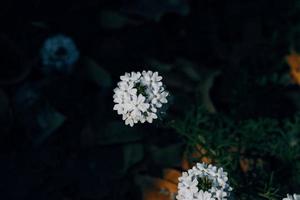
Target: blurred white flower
{"x": 292, "y": 197}
{"x": 59, "y": 54}
{"x": 139, "y": 96}
{"x": 203, "y": 182}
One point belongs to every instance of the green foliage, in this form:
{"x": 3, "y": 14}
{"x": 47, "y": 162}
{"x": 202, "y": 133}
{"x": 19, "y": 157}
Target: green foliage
{"x": 166, "y": 156}
{"x": 113, "y": 20}
{"x": 133, "y": 153}
{"x": 48, "y": 120}
{"x": 97, "y": 74}
{"x": 270, "y": 147}
{"x": 118, "y": 133}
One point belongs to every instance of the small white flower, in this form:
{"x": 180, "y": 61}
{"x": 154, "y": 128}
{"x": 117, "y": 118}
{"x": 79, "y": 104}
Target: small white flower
{"x": 134, "y": 76}
{"x": 292, "y": 197}
{"x": 204, "y": 195}
{"x": 149, "y": 117}
{"x": 221, "y": 194}
{"x": 203, "y": 182}
{"x": 127, "y": 88}
{"x": 159, "y": 97}
{"x": 138, "y": 105}
{"x": 126, "y": 77}
{"x": 139, "y": 96}
{"x": 151, "y": 79}
{"x": 129, "y": 119}
{"x": 59, "y": 53}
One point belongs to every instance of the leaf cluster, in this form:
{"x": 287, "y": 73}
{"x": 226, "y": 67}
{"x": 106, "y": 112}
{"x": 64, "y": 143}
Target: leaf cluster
{"x": 260, "y": 154}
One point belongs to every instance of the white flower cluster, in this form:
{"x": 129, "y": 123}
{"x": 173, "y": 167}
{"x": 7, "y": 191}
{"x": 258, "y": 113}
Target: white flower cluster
{"x": 203, "y": 182}
{"x": 292, "y": 197}
{"x": 139, "y": 96}
{"x": 59, "y": 53}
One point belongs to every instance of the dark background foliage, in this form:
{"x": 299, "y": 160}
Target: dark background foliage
{"x": 60, "y": 138}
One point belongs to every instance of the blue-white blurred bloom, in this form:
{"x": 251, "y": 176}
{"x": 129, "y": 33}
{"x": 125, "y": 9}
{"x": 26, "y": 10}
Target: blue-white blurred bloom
{"x": 59, "y": 54}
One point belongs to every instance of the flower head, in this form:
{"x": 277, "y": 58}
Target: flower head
{"x": 59, "y": 53}
{"x": 203, "y": 182}
{"x": 139, "y": 96}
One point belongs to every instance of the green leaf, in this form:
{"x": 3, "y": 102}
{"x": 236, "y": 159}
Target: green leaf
{"x": 118, "y": 133}
{"x": 5, "y": 113}
{"x": 133, "y": 153}
{"x": 189, "y": 69}
{"x": 48, "y": 120}
{"x": 97, "y": 74}
{"x": 167, "y": 156}
{"x": 160, "y": 66}
{"x": 155, "y": 9}
{"x": 115, "y": 133}
{"x": 113, "y": 20}
{"x": 4, "y": 104}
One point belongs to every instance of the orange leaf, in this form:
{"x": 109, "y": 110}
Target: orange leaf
{"x": 293, "y": 61}
{"x": 185, "y": 164}
{"x": 172, "y": 175}
{"x": 206, "y": 160}
{"x": 155, "y": 195}
{"x": 198, "y": 154}
{"x": 245, "y": 165}
{"x": 165, "y": 185}
{"x": 158, "y": 189}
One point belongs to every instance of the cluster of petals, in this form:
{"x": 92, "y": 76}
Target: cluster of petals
{"x": 189, "y": 189}
{"x": 139, "y": 96}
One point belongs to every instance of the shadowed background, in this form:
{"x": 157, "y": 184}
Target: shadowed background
{"x": 60, "y": 138}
